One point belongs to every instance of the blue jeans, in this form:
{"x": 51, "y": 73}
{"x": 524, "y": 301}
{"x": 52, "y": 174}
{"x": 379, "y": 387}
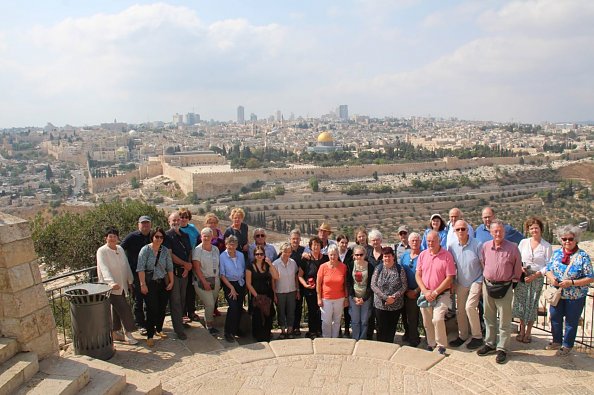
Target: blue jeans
{"x": 571, "y": 311}
{"x": 359, "y": 317}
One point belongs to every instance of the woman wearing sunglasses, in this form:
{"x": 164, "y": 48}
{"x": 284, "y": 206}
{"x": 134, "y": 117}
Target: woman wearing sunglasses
{"x": 571, "y": 270}
{"x": 359, "y": 273}
{"x": 259, "y": 277}
{"x": 154, "y": 264}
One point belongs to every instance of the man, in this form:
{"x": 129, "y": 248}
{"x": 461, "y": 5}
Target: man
{"x": 503, "y": 267}
{"x": 260, "y": 240}
{"x": 403, "y": 245}
{"x": 296, "y": 254}
{"x": 179, "y": 244}
{"x": 435, "y": 274}
{"x": 455, "y": 215}
{"x": 483, "y": 232}
{"x": 132, "y": 244}
{"x": 468, "y": 284}
{"x": 324, "y": 232}
{"x": 189, "y": 310}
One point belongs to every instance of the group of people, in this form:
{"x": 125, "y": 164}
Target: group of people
{"x": 491, "y": 274}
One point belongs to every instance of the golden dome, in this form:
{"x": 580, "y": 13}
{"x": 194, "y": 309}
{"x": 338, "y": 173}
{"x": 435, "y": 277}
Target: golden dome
{"x": 325, "y": 137}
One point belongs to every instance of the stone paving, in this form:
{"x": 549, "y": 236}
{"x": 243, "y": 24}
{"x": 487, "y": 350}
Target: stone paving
{"x": 204, "y": 364}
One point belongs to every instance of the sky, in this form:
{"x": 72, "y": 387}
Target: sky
{"x": 86, "y": 62}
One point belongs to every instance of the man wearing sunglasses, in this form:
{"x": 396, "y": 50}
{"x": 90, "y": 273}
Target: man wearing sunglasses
{"x": 260, "y": 240}
{"x": 468, "y": 285}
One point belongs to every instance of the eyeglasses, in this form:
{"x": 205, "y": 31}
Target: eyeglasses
{"x": 565, "y": 239}
{"x": 259, "y": 235}
{"x": 461, "y": 230}
{"x": 258, "y": 254}
{"x": 184, "y": 217}
{"x": 157, "y": 237}
{"x": 357, "y": 254}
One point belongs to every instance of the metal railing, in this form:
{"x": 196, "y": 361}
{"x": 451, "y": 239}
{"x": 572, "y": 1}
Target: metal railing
{"x": 585, "y": 335}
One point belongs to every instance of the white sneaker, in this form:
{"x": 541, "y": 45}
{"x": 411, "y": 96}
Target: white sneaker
{"x": 130, "y": 339}
{"x": 118, "y": 336}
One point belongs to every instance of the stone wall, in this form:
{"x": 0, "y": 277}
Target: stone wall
{"x": 25, "y": 313}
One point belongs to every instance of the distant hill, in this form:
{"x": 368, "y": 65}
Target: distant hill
{"x": 579, "y": 171}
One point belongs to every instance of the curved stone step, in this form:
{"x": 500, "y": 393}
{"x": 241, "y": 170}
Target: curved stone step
{"x": 57, "y": 376}
{"x": 17, "y": 370}
{"x": 8, "y": 349}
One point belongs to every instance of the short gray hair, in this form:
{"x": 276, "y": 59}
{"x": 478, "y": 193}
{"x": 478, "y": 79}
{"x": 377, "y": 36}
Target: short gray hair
{"x": 360, "y": 248}
{"x": 258, "y": 230}
{"x": 206, "y": 231}
{"x": 284, "y": 247}
{"x": 295, "y": 232}
{"x": 569, "y": 229}
{"x": 375, "y": 234}
{"x": 332, "y": 248}
{"x": 414, "y": 235}
{"x": 231, "y": 240}
{"x": 497, "y": 222}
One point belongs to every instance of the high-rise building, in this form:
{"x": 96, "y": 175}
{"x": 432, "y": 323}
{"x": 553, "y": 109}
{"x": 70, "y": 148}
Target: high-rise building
{"x": 192, "y": 118}
{"x": 279, "y": 115}
{"x": 240, "y": 114}
{"x": 343, "y": 112}
{"x": 178, "y": 119}
{"x": 253, "y": 117}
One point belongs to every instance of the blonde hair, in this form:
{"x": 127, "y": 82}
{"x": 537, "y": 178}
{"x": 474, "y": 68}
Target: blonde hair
{"x": 210, "y": 216}
{"x": 238, "y": 211}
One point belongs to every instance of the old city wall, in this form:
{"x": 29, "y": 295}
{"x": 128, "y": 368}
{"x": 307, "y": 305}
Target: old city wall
{"x": 207, "y": 185}
{"x": 184, "y": 178}
{"x": 102, "y": 184}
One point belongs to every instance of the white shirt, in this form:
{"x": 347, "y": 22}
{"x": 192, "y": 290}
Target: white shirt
{"x": 113, "y": 268}
{"x": 538, "y": 258}
{"x": 209, "y": 260}
{"x": 286, "y": 281}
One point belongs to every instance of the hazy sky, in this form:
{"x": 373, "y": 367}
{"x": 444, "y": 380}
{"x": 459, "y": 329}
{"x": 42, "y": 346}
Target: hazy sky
{"x": 86, "y": 62}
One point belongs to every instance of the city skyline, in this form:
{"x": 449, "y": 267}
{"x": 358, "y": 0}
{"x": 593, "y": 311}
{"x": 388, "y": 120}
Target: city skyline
{"x": 84, "y": 63}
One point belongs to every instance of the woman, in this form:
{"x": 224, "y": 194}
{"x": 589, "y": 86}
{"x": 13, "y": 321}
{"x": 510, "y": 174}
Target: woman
{"x": 259, "y": 278}
{"x": 308, "y": 274}
{"x": 332, "y": 292}
{"x": 374, "y": 257}
{"x": 536, "y": 253}
{"x": 217, "y": 240}
{"x": 185, "y": 216}
{"x": 571, "y": 270}
{"x": 239, "y": 229}
{"x": 154, "y": 266}
{"x": 362, "y": 239}
{"x": 437, "y": 224}
{"x": 114, "y": 270}
{"x": 345, "y": 254}
{"x": 359, "y": 273}
{"x": 286, "y": 288}
{"x": 232, "y": 269}
{"x": 408, "y": 261}
{"x": 389, "y": 285}
{"x": 206, "y": 282}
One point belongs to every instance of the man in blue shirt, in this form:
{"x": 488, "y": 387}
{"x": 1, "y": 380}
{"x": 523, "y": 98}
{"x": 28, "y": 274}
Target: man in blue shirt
{"x": 469, "y": 278}
{"x": 483, "y": 233}
{"x": 455, "y": 215}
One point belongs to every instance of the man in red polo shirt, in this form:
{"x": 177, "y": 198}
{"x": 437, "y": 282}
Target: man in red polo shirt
{"x": 435, "y": 273}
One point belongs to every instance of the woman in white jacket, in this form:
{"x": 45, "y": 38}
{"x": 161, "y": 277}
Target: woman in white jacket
{"x": 114, "y": 270}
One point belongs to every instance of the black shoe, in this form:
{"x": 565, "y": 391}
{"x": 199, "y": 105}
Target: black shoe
{"x": 340, "y": 333}
{"x": 414, "y": 344}
{"x": 347, "y": 333}
{"x": 441, "y": 350}
{"x": 474, "y": 343}
{"x": 429, "y": 348}
{"x": 485, "y": 350}
{"x": 213, "y": 331}
{"x": 230, "y": 338}
{"x": 297, "y": 332}
{"x": 182, "y": 336}
{"x": 457, "y": 343}
{"x": 142, "y": 331}
{"x": 501, "y": 356}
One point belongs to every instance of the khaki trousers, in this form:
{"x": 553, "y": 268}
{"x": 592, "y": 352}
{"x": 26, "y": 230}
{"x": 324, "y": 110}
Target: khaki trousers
{"x": 467, "y": 301}
{"x": 503, "y": 307}
{"x": 434, "y": 321}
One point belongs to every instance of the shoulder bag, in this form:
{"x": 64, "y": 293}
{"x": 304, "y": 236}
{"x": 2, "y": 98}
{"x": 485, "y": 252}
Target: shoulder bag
{"x": 553, "y": 294}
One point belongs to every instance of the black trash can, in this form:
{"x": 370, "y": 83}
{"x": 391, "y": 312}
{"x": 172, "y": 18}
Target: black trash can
{"x": 91, "y": 320}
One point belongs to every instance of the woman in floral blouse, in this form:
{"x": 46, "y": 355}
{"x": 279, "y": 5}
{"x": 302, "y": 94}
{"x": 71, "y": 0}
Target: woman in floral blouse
{"x": 574, "y": 283}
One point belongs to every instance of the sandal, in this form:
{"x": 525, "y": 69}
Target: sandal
{"x": 520, "y": 338}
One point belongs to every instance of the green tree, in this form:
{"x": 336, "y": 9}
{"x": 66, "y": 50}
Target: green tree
{"x": 313, "y": 183}
{"x": 70, "y": 241}
{"x": 134, "y": 183}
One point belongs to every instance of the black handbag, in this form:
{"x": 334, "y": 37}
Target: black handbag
{"x": 497, "y": 290}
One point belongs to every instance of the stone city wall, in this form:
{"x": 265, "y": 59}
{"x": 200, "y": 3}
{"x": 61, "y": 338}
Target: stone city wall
{"x": 207, "y": 185}
{"x": 149, "y": 170}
